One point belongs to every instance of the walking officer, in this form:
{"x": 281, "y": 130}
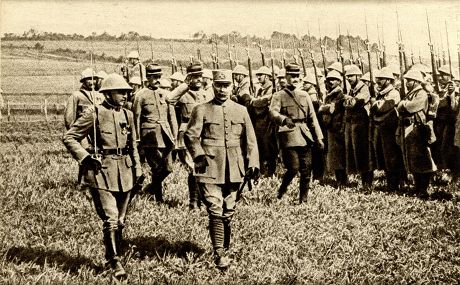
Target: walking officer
{"x": 413, "y": 135}
{"x": 113, "y": 167}
{"x": 292, "y": 109}
{"x": 156, "y": 125}
{"x": 222, "y": 143}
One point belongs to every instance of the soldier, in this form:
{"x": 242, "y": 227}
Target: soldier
{"x": 241, "y": 92}
{"x": 135, "y": 83}
{"x": 186, "y": 96}
{"x": 113, "y": 167}
{"x": 445, "y": 154}
{"x": 222, "y": 143}
{"x": 99, "y": 77}
{"x": 412, "y": 134}
{"x": 165, "y": 84}
{"x": 282, "y": 83}
{"x": 357, "y": 106}
{"x": 176, "y": 79}
{"x": 387, "y": 154}
{"x": 156, "y": 125}
{"x": 332, "y": 113}
{"x": 207, "y": 82}
{"x": 135, "y": 67}
{"x": 292, "y": 109}
{"x": 264, "y": 128}
{"x": 337, "y": 66}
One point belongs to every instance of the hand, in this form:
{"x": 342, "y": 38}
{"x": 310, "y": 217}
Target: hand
{"x": 200, "y": 164}
{"x": 289, "y": 123}
{"x": 252, "y": 172}
{"x": 450, "y": 88}
{"x": 92, "y": 163}
{"x": 320, "y": 144}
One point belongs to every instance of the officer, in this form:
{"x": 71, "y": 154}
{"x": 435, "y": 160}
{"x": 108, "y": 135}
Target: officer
{"x": 113, "y": 167}
{"x": 357, "y": 105}
{"x": 332, "y": 113}
{"x": 387, "y": 154}
{"x": 222, "y": 143}
{"x": 157, "y": 129}
{"x": 79, "y": 100}
{"x": 292, "y": 109}
{"x": 412, "y": 135}
{"x": 241, "y": 92}
{"x": 100, "y": 75}
{"x": 264, "y": 128}
{"x": 186, "y": 96}
{"x": 445, "y": 154}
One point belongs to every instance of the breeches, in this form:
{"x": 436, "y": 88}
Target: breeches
{"x": 159, "y": 159}
{"x": 297, "y": 159}
{"x": 220, "y": 199}
{"x": 111, "y": 207}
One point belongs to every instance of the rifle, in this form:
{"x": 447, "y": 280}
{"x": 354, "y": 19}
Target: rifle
{"x": 340, "y": 56}
{"x": 384, "y": 53}
{"x": 434, "y": 70}
{"x": 349, "y": 47}
{"x": 173, "y": 60}
{"x": 217, "y": 54}
{"x": 213, "y": 55}
{"x": 229, "y": 52}
{"x": 96, "y": 155}
{"x": 124, "y": 69}
{"x": 359, "y": 59}
{"x": 412, "y": 56}
{"x": 198, "y": 55}
{"x": 140, "y": 63}
{"x": 402, "y": 91}
{"x": 303, "y": 61}
{"x": 443, "y": 50}
{"x": 371, "y": 76}
{"x": 151, "y": 51}
{"x": 235, "y": 51}
{"x": 448, "y": 51}
{"x": 323, "y": 49}
{"x": 251, "y": 83}
{"x": 261, "y": 54}
{"x": 272, "y": 61}
{"x": 318, "y": 89}
{"x": 283, "y": 51}
{"x": 247, "y": 180}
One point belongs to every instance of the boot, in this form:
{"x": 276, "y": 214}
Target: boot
{"x": 393, "y": 181}
{"x": 120, "y": 243}
{"x": 366, "y": 180}
{"x": 423, "y": 183}
{"x": 227, "y": 235}
{"x": 111, "y": 255}
{"x": 304, "y": 186}
{"x": 193, "y": 192}
{"x": 217, "y": 233}
{"x": 341, "y": 178}
{"x": 287, "y": 178}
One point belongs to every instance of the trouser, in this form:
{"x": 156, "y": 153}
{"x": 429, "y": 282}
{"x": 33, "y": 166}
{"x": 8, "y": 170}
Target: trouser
{"x": 220, "y": 201}
{"x": 160, "y": 162}
{"x": 111, "y": 207}
{"x": 394, "y": 179}
{"x": 318, "y": 162}
{"x": 422, "y": 181}
{"x": 296, "y": 159}
{"x": 194, "y": 193}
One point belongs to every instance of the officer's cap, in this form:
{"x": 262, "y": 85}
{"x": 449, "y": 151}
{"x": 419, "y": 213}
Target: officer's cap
{"x": 414, "y": 75}
{"x": 240, "y": 69}
{"x": 177, "y": 76}
{"x": 222, "y": 75}
{"x": 264, "y": 70}
{"x": 385, "y": 73}
{"x": 207, "y": 73}
{"x": 114, "y": 82}
{"x": 292, "y": 68}
{"x": 87, "y": 73}
{"x": 353, "y": 69}
{"x": 153, "y": 69}
{"x": 334, "y": 74}
{"x": 195, "y": 69}
{"x": 133, "y": 54}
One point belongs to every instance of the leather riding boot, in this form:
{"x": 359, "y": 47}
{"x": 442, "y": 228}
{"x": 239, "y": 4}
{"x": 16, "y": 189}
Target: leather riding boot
{"x": 341, "y": 178}
{"x": 193, "y": 192}
{"x": 287, "y": 178}
{"x": 227, "y": 234}
{"x": 304, "y": 186}
{"x": 111, "y": 255}
{"x": 366, "y": 180}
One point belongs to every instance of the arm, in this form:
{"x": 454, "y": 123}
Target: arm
{"x": 417, "y": 104}
{"x": 193, "y": 133}
{"x": 384, "y": 105}
{"x": 275, "y": 108}
{"x": 358, "y": 101}
{"x": 79, "y": 130}
{"x": 252, "y": 151}
{"x": 174, "y": 96}
{"x": 314, "y": 120}
{"x": 70, "y": 112}
{"x": 137, "y": 109}
{"x": 133, "y": 146}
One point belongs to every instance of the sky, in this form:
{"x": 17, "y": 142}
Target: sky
{"x": 180, "y": 19}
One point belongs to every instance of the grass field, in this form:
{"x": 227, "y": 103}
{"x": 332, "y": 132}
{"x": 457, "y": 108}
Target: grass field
{"x": 49, "y": 232}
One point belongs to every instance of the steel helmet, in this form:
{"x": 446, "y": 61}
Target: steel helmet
{"x": 353, "y": 69}
{"x": 395, "y": 69}
{"x": 337, "y": 66}
{"x": 264, "y": 70}
{"x": 334, "y": 74}
{"x": 276, "y": 69}
{"x": 207, "y": 73}
{"x": 114, "y": 82}
{"x": 165, "y": 83}
{"x": 177, "y": 76}
{"x": 101, "y": 74}
{"x": 444, "y": 69}
{"x": 386, "y": 73}
{"x": 414, "y": 75}
{"x": 133, "y": 54}
{"x": 135, "y": 80}
{"x": 366, "y": 77}
{"x": 310, "y": 78}
{"x": 87, "y": 73}
{"x": 240, "y": 69}
{"x": 421, "y": 67}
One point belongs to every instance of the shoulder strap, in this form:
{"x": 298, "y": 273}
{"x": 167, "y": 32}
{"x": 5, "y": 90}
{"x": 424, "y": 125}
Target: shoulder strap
{"x": 86, "y": 95}
{"x": 294, "y": 97}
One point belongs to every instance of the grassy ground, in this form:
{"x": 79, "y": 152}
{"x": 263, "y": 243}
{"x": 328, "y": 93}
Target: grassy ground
{"x": 49, "y": 232}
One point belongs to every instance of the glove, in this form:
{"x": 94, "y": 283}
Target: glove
{"x": 289, "y": 123}
{"x": 200, "y": 164}
{"x": 320, "y": 144}
{"x": 92, "y": 163}
{"x": 252, "y": 172}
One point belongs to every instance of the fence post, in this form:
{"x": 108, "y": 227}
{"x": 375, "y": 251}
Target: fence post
{"x": 46, "y": 109}
{"x": 8, "y": 111}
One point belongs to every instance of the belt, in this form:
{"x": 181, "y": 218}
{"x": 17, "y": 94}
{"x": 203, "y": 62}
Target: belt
{"x": 304, "y": 120}
{"x": 114, "y": 151}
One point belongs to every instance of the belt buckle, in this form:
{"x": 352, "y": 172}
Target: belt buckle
{"x": 119, "y": 151}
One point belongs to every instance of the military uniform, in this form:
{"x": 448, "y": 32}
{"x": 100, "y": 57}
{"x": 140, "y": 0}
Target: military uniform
{"x": 295, "y": 142}
{"x": 156, "y": 126}
{"x": 412, "y": 134}
{"x": 119, "y": 165}
{"x": 221, "y": 135}
{"x": 387, "y": 154}
{"x": 242, "y": 95}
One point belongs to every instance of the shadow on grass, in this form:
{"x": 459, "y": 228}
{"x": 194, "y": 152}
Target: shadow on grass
{"x": 146, "y": 246}
{"x": 40, "y": 256}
